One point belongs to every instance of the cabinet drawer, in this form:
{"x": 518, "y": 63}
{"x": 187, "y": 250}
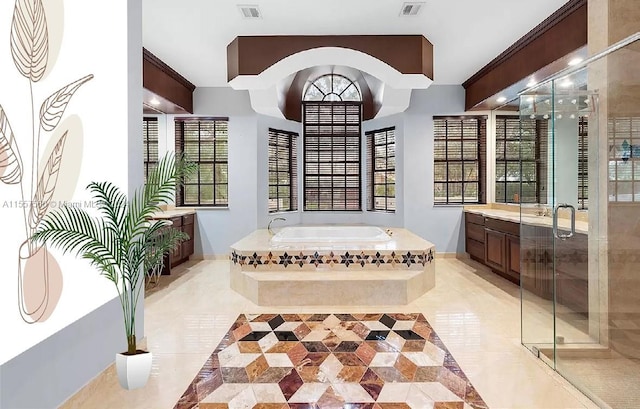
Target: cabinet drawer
{"x": 475, "y": 232}
{"x": 503, "y": 226}
{"x": 474, "y": 218}
{"x": 177, "y": 222}
{"x": 475, "y": 249}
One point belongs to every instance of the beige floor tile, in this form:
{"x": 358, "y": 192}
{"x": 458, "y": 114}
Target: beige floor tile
{"x": 475, "y": 313}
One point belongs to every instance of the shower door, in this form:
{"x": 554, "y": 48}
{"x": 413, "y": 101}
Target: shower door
{"x": 555, "y": 119}
{"x": 580, "y": 224}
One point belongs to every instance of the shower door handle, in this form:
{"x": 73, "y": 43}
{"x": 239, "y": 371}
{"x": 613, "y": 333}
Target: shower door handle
{"x": 555, "y": 221}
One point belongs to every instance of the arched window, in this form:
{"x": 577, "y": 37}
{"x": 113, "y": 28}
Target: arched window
{"x": 332, "y": 119}
{"x": 332, "y": 88}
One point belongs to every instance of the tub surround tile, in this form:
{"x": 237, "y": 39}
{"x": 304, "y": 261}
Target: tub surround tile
{"x": 315, "y": 261}
{"x": 395, "y": 272}
{"x": 391, "y": 368}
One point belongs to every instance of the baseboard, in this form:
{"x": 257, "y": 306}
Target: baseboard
{"x": 452, "y": 255}
{"x": 77, "y": 400}
{"x": 568, "y": 351}
{"x": 74, "y": 355}
{"x": 210, "y": 257}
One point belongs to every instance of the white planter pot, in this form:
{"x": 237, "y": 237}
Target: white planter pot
{"x": 133, "y": 370}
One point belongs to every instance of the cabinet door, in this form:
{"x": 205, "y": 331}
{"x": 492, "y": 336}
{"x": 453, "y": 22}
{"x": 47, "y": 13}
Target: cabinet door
{"x": 187, "y": 246}
{"x": 572, "y": 267}
{"x": 176, "y": 254}
{"x": 513, "y": 257}
{"x": 495, "y": 254}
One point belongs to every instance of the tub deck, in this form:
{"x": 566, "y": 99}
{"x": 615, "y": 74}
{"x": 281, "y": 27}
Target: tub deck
{"x": 381, "y": 273}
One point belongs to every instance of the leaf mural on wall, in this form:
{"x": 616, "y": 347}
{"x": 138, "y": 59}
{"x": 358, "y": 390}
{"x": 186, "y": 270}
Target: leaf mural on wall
{"x": 53, "y": 107}
{"x": 10, "y": 162}
{"x": 29, "y": 39}
{"x": 46, "y": 184}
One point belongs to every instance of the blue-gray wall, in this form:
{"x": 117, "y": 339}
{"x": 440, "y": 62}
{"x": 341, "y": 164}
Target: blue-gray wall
{"x": 46, "y": 375}
{"x": 442, "y": 225}
{"x": 248, "y": 180}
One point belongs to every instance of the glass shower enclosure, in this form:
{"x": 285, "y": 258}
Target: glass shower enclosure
{"x": 580, "y": 239}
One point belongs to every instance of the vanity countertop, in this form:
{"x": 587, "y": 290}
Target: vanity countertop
{"x": 168, "y": 214}
{"x": 528, "y": 219}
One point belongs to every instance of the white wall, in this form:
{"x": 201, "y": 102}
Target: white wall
{"x": 85, "y": 330}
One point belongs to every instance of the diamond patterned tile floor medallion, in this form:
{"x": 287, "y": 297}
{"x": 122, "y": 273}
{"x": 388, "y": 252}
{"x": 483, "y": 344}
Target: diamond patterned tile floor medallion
{"x": 327, "y": 361}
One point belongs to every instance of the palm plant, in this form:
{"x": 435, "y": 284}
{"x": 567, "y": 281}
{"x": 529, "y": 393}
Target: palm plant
{"x": 123, "y": 242}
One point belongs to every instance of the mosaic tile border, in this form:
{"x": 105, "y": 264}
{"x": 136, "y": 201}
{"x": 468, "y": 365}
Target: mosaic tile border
{"x": 331, "y": 361}
{"x": 346, "y": 259}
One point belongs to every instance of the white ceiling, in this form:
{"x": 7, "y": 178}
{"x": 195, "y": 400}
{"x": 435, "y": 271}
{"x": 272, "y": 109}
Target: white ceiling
{"x": 192, "y": 35}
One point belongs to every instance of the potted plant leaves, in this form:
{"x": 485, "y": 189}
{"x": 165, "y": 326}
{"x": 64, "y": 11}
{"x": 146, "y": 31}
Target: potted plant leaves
{"x": 119, "y": 242}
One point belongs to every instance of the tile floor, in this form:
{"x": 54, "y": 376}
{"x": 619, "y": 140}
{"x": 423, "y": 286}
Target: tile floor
{"x": 475, "y": 313}
{"x": 331, "y": 361}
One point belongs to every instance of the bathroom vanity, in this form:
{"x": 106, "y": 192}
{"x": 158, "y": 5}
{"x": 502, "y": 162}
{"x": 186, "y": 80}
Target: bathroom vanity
{"x": 522, "y": 251}
{"x": 183, "y": 220}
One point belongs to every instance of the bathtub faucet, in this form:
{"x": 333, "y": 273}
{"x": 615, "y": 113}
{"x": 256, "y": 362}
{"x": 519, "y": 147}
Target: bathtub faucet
{"x": 273, "y": 220}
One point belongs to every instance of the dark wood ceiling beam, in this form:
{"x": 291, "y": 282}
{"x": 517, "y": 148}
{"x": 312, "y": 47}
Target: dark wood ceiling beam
{"x": 164, "y": 81}
{"x": 251, "y": 55}
{"x": 560, "y": 34}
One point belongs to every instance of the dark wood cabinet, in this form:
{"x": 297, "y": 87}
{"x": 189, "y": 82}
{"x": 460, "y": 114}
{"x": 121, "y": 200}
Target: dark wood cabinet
{"x": 187, "y": 227}
{"x": 495, "y": 243}
{"x": 572, "y": 267}
{"x": 536, "y": 251}
{"x": 182, "y": 252}
{"x": 542, "y": 257}
{"x": 474, "y": 227}
{"x": 176, "y": 254}
{"x": 495, "y": 250}
{"x": 512, "y": 265}
{"x": 532, "y": 258}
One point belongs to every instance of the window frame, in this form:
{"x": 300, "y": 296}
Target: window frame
{"x": 480, "y": 159}
{"x": 180, "y": 145}
{"x": 540, "y": 139}
{"x": 332, "y": 90}
{"x": 388, "y": 132}
{"x": 146, "y": 141}
{"x": 305, "y": 145}
{"x": 291, "y": 168}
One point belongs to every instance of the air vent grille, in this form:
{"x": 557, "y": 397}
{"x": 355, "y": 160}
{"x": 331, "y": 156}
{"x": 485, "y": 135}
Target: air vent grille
{"x": 411, "y": 9}
{"x": 250, "y": 11}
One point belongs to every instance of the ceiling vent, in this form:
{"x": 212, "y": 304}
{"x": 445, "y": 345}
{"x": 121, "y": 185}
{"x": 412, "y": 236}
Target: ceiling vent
{"x": 249, "y": 11}
{"x": 411, "y": 9}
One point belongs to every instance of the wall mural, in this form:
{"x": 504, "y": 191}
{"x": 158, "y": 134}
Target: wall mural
{"x": 27, "y": 169}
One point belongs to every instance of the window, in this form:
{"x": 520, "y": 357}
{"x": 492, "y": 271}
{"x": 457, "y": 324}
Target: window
{"x": 332, "y": 88}
{"x": 283, "y": 171}
{"x": 583, "y": 163}
{"x": 459, "y": 155}
{"x": 150, "y": 144}
{"x": 381, "y": 170}
{"x": 624, "y": 159}
{"x": 205, "y": 142}
{"x": 332, "y": 118}
{"x": 521, "y": 159}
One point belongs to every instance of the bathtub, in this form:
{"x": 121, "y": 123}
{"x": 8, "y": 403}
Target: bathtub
{"x": 330, "y": 234}
{"x": 332, "y": 265}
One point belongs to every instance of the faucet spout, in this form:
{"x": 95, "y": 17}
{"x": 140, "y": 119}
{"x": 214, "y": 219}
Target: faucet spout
{"x": 273, "y": 220}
